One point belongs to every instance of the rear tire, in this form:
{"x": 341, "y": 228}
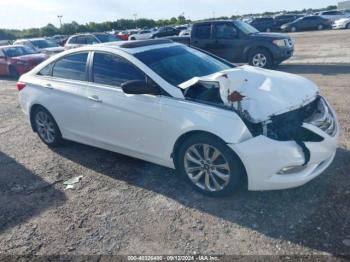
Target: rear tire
{"x": 268, "y": 30}
{"x": 260, "y": 58}
{"x": 217, "y": 173}
{"x": 348, "y": 26}
{"x": 320, "y": 27}
{"x": 46, "y": 127}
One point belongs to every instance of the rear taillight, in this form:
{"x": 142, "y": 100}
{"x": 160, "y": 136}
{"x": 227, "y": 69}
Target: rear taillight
{"x": 20, "y": 85}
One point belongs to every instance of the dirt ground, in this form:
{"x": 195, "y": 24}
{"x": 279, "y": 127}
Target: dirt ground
{"x": 127, "y": 206}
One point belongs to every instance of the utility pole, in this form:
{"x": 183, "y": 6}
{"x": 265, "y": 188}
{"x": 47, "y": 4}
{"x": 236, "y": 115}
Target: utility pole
{"x": 213, "y": 15}
{"x": 135, "y": 18}
{"x": 60, "y": 18}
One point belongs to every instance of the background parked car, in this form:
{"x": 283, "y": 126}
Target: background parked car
{"x": 16, "y": 60}
{"x": 185, "y": 32}
{"x": 60, "y": 39}
{"x": 263, "y": 24}
{"x": 334, "y": 15}
{"x": 123, "y": 35}
{"x": 5, "y": 42}
{"x": 41, "y": 44}
{"x": 165, "y": 31}
{"x": 141, "y": 35}
{"x": 312, "y": 22}
{"x": 280, "y": 20}
{"x": 181, "y": 28}
{"x": 343, "y": 23}
{"x": 237, "y": 41}
{"x": 89, "y": 39}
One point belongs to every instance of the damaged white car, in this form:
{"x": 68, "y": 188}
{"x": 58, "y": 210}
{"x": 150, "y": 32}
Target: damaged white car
{"x": 182, "y": 108}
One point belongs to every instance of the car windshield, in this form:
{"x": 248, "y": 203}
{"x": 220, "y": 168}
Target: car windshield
{"x": 44, "y": 43}
{"x": 246, "y": 28}
{"x": 178, "y": 64}
{"x": 107, "y": 38}
{"x": 18, "y": 51}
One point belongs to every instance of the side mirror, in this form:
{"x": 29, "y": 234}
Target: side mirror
{"x": 139, "y": 87}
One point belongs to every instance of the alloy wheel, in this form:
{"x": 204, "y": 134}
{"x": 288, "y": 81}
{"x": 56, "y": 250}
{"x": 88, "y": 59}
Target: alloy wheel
{"x": 320, "y": 27}
{"x": 259, "y": 60}
{"x": 207, "y": 167}
{"x": 293, "y": 29}
{"x": 45, "y": 127}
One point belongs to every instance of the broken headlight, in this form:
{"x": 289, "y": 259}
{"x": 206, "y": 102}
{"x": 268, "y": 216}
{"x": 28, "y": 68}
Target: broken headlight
{"x": 323, "y": 118}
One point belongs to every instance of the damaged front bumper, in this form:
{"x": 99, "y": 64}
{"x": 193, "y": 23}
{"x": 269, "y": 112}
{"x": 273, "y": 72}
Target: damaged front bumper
{"x": 272, "y": 164}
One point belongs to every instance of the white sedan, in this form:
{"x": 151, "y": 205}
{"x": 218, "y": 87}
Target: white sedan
{"x": 343, "y": 23}
{"x": 141, "y": 35}
{"x": 175, "y": 106}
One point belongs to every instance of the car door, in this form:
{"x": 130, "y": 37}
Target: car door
{"x": 66, "y": 84}
{"x": 130, "y": 124}
{"x": 307, "y": 23}
{"x": 226, "y": 41}
{"x": 201, "y": 38}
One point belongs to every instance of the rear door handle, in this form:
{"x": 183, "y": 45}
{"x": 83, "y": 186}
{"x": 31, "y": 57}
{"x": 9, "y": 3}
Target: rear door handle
{"x": 95, "y": 99}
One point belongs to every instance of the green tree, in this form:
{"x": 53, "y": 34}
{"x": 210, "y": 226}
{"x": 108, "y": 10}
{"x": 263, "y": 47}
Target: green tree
{"x": 49, "y": 30}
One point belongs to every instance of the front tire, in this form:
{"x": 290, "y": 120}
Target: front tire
{"x": 293, "y": 29}
{"x": 46, "y": 127}
{"x": 260, "y": 58}
{"x": 347, "y": 26}
{"x": 209, "y": 165}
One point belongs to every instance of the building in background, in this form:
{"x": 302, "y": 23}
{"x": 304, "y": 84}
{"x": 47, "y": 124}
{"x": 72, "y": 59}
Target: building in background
{"x": 345, "y": 5}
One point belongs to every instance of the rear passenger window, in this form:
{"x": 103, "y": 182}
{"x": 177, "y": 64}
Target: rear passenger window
{"x": 81, "y": 40}
{"x": 71, "y": 67}
{"x": 73, "y": 40}
{"x": 203, "y": 31}
{"x": 46, "y": 71}
{"x": 114, "y": 70}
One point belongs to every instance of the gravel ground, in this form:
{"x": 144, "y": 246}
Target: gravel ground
{"x": 127, "y": 206}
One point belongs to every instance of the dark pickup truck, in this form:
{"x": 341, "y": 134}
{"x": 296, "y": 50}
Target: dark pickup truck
{"x": 239, "y": 42}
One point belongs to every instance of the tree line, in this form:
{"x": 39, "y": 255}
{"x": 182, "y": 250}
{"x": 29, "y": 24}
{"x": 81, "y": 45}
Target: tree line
{"x": 120, "y": 24}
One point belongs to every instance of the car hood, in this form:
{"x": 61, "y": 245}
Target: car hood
{"x": 31, "y": 58}
{"x": 266, "y": 93}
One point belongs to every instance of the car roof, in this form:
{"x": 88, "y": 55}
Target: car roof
{"x": 131, "y": 47}
{"x": 9, "y": 46}
{"x": 213, "y": 22}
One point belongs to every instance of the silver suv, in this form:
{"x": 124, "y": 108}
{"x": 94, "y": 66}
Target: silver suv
{"x": 89, "y": 39}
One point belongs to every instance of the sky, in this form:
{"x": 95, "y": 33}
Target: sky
{"x": 19, "y": 14}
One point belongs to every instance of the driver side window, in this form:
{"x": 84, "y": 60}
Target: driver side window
{"x": 225, "y": 31}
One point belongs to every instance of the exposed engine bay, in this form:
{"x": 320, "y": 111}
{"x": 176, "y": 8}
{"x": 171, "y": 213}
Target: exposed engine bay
{"x": 266, "y": 104}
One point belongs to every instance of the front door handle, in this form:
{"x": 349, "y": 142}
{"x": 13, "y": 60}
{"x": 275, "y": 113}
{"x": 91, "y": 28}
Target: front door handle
{"x": 95, "y": 99}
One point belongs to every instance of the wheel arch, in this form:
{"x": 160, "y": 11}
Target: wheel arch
{"x": 253, "y": 48}
{"x": 191, "y": 133}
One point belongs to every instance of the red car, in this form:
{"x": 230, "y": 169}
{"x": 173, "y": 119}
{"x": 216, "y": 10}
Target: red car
{"x": 123, "y": 35}
{"x": 16, "y": 60}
